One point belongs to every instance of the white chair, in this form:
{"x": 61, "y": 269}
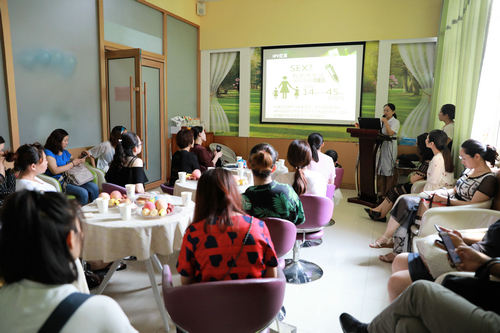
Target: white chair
{"x": 418, "y": 186}
{"x": 228, "y": 155}
{"x": 50, "y": 180}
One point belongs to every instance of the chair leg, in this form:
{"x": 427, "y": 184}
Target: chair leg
{"x": 312, "y": 243}
{"x": 299, "y": 271}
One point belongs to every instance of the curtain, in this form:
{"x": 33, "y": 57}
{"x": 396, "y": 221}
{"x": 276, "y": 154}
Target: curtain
{"x": 419, "y": 59}
{"x": 220, "y": 64}
{"x": 461, "y": 41}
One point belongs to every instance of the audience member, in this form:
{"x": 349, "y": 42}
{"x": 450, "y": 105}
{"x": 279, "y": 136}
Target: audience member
{"x": 7, "y": 176}
{"x": 319, "y": 162}
{"x": 183, "y": 160}
{"x": 447, "y": 115}
{"x": 333, "y": 154}
{"x": 389, "y": 149}
{"x": 105, "y": 151}
{"x": 205, "y": 158}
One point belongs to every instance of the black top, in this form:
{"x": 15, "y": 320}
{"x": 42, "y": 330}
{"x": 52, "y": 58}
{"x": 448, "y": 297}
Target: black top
{"x": 185, "y": 161}
{"x": 467, "y": 186}
{"x": 127, "y": 175}
{"x": 7, "y": 185}
{"x": 490, "y": 244}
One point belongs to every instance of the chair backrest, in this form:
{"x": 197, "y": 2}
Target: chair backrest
{"x": 224, "y": 306}
{"x": 283, "y": 234}
{"x": 167, "y": 189}
{"x": 99, "y": 175}
{"x": 330, "y": 190}
{"x": 228, "y": 155}
{"x": 317, "y": 209}
{"x": 339, "y": 174}
{"x": 51, "y": 180}
{"x": 108, "y": 188}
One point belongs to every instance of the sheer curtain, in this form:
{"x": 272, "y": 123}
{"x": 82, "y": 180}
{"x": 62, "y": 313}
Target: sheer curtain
{"x": 419, "y": 59}
{"x": 220, "y": 65}
{"x": 462, "y": 35}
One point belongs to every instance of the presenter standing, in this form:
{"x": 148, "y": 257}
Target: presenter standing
{"x": 389, "y": 149}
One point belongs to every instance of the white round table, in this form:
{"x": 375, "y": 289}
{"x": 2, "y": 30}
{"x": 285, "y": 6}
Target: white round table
{"x": 191, "y": 185}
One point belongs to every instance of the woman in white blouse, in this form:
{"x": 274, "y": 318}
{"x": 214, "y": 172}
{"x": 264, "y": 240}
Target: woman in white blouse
{"x": 30, "y": 161}
{"x": 320, "y": 162}
{"x": 302, "y": 180}
{"x": 105, "y": 151}
{"x": 447, "y": 116}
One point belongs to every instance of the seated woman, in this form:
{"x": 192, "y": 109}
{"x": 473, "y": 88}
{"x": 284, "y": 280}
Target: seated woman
{"x": 105, "y": 151}
{"x": 183, "y": 160}
{"x": 426, "y": 154}
{"x": 40, "y": 240}
{"x": 7, "y": 176}
{"x": 476, "y": 184}
{"x": 269, "y": 198}
{"x": 205, "y": 158}
{"x": 303, "y": 181}
{"x": 30, "y": 161}
{"x": 333, "y": 154}
{"x": 320, "y": 162}
{"x": 126, "y": 167}
{"x": 60, "y": 161}
{"x": 229, "y": 244}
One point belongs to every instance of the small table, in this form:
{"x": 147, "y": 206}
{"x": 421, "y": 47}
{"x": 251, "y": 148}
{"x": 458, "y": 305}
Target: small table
{"x": 109, "y": 238}
{"x": 191, "y": 185}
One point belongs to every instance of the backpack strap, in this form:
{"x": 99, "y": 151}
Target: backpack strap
{"x": 63, "y": 312}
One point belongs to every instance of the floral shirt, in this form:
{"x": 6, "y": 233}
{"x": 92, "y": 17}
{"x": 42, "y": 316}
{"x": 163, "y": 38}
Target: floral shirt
{"x": 274, "y": 200}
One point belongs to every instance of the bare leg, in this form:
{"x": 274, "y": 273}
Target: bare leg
{"x": 400, "y": 278}
{"x": 392, "y": 226}
{"x": 388, "y": 183}
{"x": 400, "y": 263}
{"x": 384, "y": 208}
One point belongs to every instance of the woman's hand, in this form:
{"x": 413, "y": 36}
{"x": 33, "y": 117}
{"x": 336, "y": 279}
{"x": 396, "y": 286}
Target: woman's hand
{"x": 84, "y": 154}
{"x": 471, "y": 259}
{"x": 438, "y": 197}
{"x": 384, "y": 120}
{"x": 218, "y": 154}
{"x": 77, "y": 161}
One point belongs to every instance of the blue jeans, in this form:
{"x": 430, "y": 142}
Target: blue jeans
{"x": 84, "y": 192}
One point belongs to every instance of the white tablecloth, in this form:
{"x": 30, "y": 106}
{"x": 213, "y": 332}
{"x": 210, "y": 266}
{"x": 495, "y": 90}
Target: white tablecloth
{"x": 191, "y": 185}
{"x": 109, "y": 238}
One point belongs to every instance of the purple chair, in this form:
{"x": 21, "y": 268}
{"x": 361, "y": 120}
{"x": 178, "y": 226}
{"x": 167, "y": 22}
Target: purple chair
{"x": 108, "y": 188}
{"x": 318, "y": 211}
{"x": 330, "y": 191}
{"x": 247, "y": 305}
{"x": 167, "y": 189}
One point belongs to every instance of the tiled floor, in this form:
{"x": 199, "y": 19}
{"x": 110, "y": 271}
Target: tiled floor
{"x": 354, "y": 279}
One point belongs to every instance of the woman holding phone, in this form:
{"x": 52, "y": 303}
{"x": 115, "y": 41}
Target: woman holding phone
{"x": 205, "y": 158}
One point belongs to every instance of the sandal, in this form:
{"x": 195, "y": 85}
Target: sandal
{"x": 378, "y": 245}
{"x": 389, "y": 257}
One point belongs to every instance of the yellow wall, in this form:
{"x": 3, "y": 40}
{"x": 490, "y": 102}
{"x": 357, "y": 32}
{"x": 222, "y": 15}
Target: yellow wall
{"x": 247, "y": 23}
{"x": 183, "y": 8}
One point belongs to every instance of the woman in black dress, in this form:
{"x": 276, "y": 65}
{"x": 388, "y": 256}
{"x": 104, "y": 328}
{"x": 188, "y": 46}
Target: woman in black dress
{"x": 183, "y": 160}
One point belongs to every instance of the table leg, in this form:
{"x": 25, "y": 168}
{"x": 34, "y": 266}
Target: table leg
{"x": 157, "y": 263}
{"x": 108, "y": 276}
{"x": 156, "y": 292}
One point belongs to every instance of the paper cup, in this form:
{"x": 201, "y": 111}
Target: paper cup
{"x": 240, "y": 165}
{"x": 241, "y": 173}
{"x": 125, "y": 211}
{"x": 249, "y": 176}
{"x": 186, "y": 198}
{"x": 281, "y": 162}
{"x": 182, "y": 177}
{"x": 102, "y": 205}
{"x": 130, "y": 191}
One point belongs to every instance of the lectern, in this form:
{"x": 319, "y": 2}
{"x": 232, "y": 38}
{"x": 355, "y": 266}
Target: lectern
{"x": 365, "y": 173}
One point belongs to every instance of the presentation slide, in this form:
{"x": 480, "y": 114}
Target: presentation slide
{"x": 316, "y": 84}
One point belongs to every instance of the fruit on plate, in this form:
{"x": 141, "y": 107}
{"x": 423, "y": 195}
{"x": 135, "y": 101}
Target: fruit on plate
{"x": 116, "y": 195}
{"x": 113, "y": 202}
{"x": 152, "y": 199}
{"x": 196, "y": 174}
{"x": 104, "y": 195}
{"x": 141, "y": 202}
{"x": 161, "y": 203}
{"x": 242, "y": 182}
{"x": 125, "y": 200}
{"x": 162, "y": 212}
{"x": 146, "y": 212}
{"x": 149, "y": 205}
{"x": 153, "y": 212}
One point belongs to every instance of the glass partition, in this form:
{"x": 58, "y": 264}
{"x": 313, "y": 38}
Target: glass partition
{"x": 119, "y": 73}
{"x": 4, "y": 113}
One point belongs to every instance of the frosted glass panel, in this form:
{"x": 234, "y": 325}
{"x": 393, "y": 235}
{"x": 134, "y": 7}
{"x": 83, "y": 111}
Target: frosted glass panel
{"x": 152, "y": 77}
{"x": 55, "y": 50}
{"x": 119, "y": 73}
{"x": 133, "y": 24}
{"x": 4, "y": 118}
{"x": 182, "y": 68}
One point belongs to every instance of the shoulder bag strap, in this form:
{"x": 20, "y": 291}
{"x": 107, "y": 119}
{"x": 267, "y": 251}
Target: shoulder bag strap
{"x": 63, "y": 312}
{"x": 241, "y": 250}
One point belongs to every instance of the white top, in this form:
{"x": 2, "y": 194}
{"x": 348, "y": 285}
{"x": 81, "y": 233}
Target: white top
{"x": 316, "y": 183}
{"x": 389, "y": 150}
{"x": 449, "y": 129}
{"x": 324, "y": 166}
{"x": 34, "y": 185}
{"x": 104, "y": 152}
{"x": 437, "y": 176}
{"x": 26, "y": 305}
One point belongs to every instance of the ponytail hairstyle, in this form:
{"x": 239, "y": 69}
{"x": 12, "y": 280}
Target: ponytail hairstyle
{"x": 299, "y": 156}
{"x": 197, "y": 130}
{"x": 448, "y": 109}
{"x": 55, "y": 139}
{"x": 116, "y": 134}
{"x": 425, "y": 153}
{"x": 124, "y": 149}
{"x": 262, "y": 159}
{"x": 315, "y": 141}
{"x": 25, "y": 156}
{"x": 439, "y": 139}
{"x": 487, "y": 152}
{"x": 393, "y": 108}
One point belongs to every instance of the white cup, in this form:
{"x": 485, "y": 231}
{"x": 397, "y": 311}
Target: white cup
{"x": 186, "y": 198}
{"x": 125, "y": 211}
{"x": 240, "y": 165}
{"x": 238, "y": 158}
{"x": 130, "y": 191}
{"x": 210, "y": 168}
{"x": 102, "y": 205}
{"x": 249, "y": 175}
{"x": 281, "y": 162}
{"x": 182, "y": 177}
{"x": 241, "y": 173}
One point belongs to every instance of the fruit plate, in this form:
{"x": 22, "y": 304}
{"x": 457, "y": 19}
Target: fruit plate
{"x": 138, "y": 212}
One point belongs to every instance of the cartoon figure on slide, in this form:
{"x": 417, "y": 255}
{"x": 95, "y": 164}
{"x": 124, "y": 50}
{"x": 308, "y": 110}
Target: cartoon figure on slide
{"x": 296, "y": 93}
{"x": 275, "y": 93}
{"x": 284, "y": 87}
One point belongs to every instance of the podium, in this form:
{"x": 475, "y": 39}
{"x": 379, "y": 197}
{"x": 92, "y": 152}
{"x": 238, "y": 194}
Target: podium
{"x": 365, "y": 173}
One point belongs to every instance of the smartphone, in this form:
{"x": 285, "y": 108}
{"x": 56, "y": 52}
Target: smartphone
{"x": 438, "y": 228}
{"x": 218, "y": 148}
{"x": 448, "y": 244}
{"x": 84, "y": 154}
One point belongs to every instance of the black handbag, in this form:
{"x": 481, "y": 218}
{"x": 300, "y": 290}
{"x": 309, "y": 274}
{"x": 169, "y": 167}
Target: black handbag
{"x": 478, "y": 290}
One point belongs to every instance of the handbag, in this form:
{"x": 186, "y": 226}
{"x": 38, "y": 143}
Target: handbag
{"x": 78, "y": 175}
{"x": 478, "y": 290}
{"x": 426, "y": 204}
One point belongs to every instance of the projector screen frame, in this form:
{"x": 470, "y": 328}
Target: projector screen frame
{"x": 358, "y": 111}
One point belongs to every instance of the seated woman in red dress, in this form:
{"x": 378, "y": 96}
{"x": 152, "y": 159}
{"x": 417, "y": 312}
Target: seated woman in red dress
{"x": 224, "y": 243}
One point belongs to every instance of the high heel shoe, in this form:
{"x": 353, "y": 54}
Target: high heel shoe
{"x": 379, "y": 245}
{"x": 374, "y": 215}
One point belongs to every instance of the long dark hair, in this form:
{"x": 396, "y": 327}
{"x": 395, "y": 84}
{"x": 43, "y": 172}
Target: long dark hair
{"x": 54, "y": 141}
{"x": 2, "y": 140}
{"x": 197, "y": 130}
{"x": 25, "y": 156}
{"x": 34, "y": 230}
{"x": 124, "y": 149}
{"x": 116, "y": 134}
{"x": 425, "y": 153}
{"x": 487, "y": 152}
{"x": 393, "y": 108}
{"x": 439, "y": 139}
{"x": 448, "y": 109}
{"x": 315, "y": 141}
{"x": 262, "y": 159}
{"x": 299, "y": 156}
{"x": 217, "y": 199}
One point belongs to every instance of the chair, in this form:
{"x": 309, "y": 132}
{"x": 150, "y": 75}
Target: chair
{"x": 167, "y": 189}
{"x": 248, "y": 305}
{"x": 228, "y": 155}
{"x": 54, "y": 182}
{"x": 330, "y": 192}
{"x": 108, "y": 188}
{"x": 99, "y": 174}
{"x": 318, "y": 211}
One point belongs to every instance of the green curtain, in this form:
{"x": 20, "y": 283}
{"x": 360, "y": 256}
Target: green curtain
{"x": 461, "y": 41}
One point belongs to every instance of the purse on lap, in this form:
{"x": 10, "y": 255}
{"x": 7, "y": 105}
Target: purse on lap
{"x": 78, "y": 175}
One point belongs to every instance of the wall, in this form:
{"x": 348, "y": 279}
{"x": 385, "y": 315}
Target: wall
{"x": 183, "y": 8}
{"x": 243, "y": 23}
